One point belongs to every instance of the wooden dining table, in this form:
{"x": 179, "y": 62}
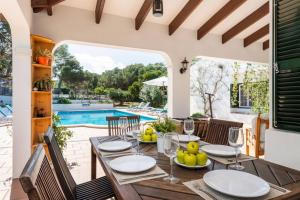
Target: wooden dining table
{"x": 158, "y": 189}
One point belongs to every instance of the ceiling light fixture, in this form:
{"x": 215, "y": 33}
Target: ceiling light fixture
{"x": 158, "y": 9}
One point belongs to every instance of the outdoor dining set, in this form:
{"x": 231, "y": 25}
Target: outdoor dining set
{"x": 142, "y": 163}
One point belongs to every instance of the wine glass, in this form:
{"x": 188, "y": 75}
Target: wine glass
{"x": 136, "y": 135}
{"x": 188, "y": 127}
{"x": 123, "y": 125}
{"x": 171, "y": 144}
{"x": 236, "y": 140}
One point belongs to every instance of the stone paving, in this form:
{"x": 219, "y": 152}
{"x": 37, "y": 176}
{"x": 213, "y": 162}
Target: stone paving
{"x": 77, "y": 154}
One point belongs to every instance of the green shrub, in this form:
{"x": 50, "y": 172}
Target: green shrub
{"x": 62, "y": 134}
{"x": 164, "y": 126}
{"x": 198, "y": 115}
{"x": 63, "y": 100}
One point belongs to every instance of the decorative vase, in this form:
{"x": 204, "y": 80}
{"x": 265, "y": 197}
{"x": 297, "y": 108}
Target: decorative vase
{"x": 160, "y": 143}
{"x": 43, "y": 60}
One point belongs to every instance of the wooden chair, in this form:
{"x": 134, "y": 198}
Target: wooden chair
{"x": 96, "y": 189}
{"x": 201, "y": 127}
{"x": 255, "y": 136}
{"x": 38, "y": 179}
{"x": 217, "y": 132}
{"x": 113, "y": 124}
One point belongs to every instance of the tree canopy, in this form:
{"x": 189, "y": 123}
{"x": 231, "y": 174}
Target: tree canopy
{"x": 119, "y": 84}
{"x": 5, "y": 49}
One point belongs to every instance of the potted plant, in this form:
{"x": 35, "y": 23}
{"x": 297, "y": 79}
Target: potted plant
{"x": 162, "y": 126}
{"x": 43, "y": 85}
{"x": 43, "y": 56}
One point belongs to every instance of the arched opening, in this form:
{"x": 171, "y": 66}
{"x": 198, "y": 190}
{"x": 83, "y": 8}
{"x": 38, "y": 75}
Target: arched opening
{"x": 94, "y": 81}
{"x": 21, "y": 73}
{"x": 6, "y": 108}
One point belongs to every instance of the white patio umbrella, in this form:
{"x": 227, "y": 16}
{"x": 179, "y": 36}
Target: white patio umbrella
{"x": 161, "y": 82}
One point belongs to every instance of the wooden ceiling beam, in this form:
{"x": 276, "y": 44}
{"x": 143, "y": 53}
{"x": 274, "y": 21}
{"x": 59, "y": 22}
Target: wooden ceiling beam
{"x": 224, "y": 12}
{"x": 49, "y": 11}
{"x": 144, "y": 11}
{"x": 256, "y": 35}
{"x": 2, "y": 18}
{"x": 246, "y": 22}
{"x": 99, "y": 10}
{"x": 266, "y": 44}
{"x": 40, "y": 5}
{"x": 37, "y": 10}
{"x": 189, "y": 7}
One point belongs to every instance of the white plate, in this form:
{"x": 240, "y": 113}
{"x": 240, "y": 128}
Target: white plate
{"x": 132, "y": 164}
{"x": 236, "y": 183}
{"x": 114, "y": 146}
{"x": 219, "y": 150}
{"x": 185, "y": 138}
{"x": 193, "y": 167}
{"x": 130, "y": 133}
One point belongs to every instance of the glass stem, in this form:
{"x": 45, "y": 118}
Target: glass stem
{"x": 171, "y": 164}
{"x": 138, "y": 146}
{"x": 236, "y": 156}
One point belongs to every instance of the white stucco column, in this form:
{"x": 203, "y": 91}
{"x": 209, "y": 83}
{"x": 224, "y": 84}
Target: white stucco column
{"x": 178, "y": 89}
{"x": 19, "y": 19}
{"x": 21, "y": 108}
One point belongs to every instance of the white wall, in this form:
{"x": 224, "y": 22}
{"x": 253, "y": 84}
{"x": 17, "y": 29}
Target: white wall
{"x": 79, "y": 25}
{"x": 21, "y": 82}
{"x": 282, "y": 147}
{"x": 25, "y": 6}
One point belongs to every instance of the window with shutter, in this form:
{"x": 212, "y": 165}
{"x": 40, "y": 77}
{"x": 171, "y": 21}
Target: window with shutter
{"x": 286, "y": 64}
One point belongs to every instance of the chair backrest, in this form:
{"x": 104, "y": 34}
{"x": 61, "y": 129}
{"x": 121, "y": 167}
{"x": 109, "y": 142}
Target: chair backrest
{"x": 113, "y": 124}
{"x": 217, "y": 132}
{"x": 38, "y": 180}
{"x": 64, "y": 175}
{"x": 261, "y": 125}
{"x": 201, "y": 128}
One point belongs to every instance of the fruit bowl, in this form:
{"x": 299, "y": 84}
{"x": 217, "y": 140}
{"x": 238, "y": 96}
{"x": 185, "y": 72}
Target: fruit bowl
{"x": 149, "y": 142}
{"x": 208, "y": 162}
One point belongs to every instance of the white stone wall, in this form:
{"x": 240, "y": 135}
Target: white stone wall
{"x": 282, "y": 147}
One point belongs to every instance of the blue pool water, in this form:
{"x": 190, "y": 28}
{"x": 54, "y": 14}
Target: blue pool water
{"x": 94, "y": 117}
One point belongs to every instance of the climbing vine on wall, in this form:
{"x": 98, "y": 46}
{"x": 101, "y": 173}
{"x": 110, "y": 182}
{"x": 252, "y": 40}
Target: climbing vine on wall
{"x": 255, "y": 85}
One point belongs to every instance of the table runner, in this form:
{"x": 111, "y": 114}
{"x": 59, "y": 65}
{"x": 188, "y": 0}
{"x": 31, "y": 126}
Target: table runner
{"x": 231, "y": 160}
{"x": 154, "y": 173}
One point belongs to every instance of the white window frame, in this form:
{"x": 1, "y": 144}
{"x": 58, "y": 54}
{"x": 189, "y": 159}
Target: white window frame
{"x": 240, "y": 98}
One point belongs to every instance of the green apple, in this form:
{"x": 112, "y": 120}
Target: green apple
{"x": 180, "y": 155}
{"x": 146, "y": 138}
{"x": 201, "y": 158}
{"x": 193, "y": 147}
{"x": 149, "y": 131}
{"x": 154, "y": 137}
{"x": 190, "y": 159}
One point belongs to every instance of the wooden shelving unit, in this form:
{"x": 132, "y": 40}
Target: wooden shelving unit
{"x": 40, "y": 100}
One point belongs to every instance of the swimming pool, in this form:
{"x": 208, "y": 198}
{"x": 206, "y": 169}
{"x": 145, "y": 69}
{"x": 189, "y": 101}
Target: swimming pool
{"x": 93, "y": 117}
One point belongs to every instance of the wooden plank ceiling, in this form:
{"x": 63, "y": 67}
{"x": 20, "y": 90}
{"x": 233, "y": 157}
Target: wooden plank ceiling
{"x": 230, "y": 7}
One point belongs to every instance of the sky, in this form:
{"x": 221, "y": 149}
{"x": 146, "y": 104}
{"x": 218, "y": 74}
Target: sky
{"x": 98, "y": 59}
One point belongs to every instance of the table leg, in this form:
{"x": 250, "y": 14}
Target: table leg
{"x": 93, "y": 164}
